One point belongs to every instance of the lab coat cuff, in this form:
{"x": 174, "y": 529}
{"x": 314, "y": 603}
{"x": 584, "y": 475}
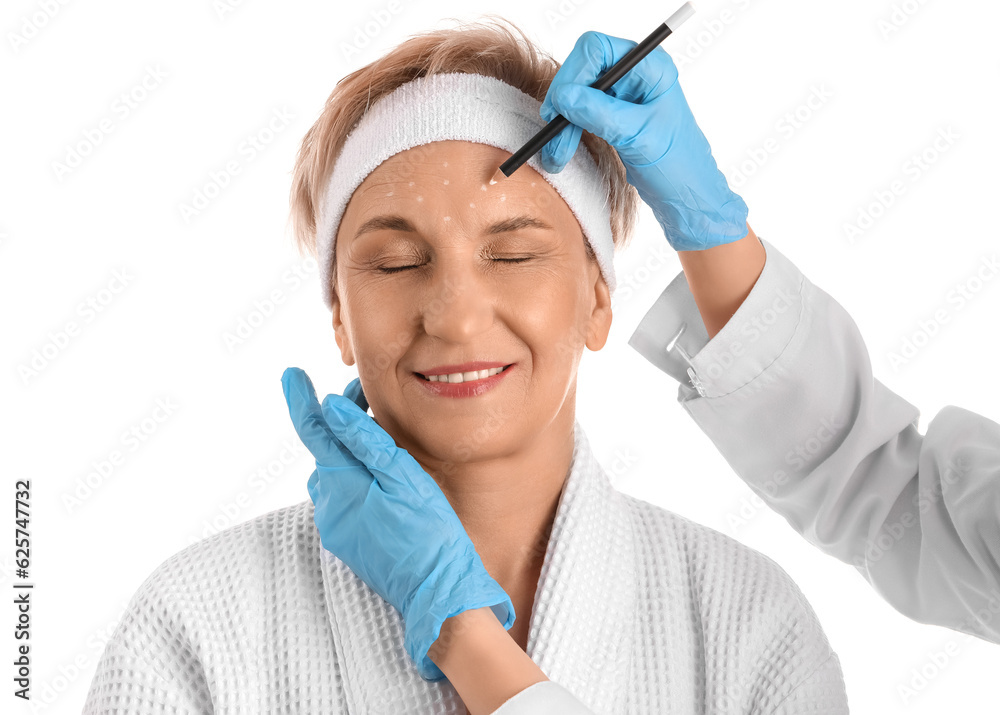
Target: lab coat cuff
{"x": 752, "y": 339}
{"x": 546, "y": 696}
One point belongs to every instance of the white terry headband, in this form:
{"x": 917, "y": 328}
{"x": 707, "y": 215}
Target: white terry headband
{"x": 468, "y": 107}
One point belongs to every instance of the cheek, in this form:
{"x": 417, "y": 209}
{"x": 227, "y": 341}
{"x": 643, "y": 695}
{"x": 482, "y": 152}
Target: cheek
{"x": 377, "y": 325}
{"x": 550, "y": 318}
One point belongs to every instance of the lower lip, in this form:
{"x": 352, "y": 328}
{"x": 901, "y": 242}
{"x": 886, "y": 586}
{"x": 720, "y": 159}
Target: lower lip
{"x": 464, "y": 389}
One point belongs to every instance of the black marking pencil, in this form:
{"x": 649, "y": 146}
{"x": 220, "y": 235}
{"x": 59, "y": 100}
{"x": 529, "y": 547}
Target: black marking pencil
{"x": 603, "y": 83}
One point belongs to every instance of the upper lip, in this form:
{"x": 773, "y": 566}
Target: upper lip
{"x": 464, "y": 367}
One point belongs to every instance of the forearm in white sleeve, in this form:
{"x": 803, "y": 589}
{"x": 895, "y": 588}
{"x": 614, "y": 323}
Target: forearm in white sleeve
{"x": 542, "y": 699}
{"x": 786, "y": 393}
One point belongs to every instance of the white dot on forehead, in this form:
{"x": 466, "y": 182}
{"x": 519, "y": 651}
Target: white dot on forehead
{"x": 420, "y": 198}
{"x": 447, "y": 218}
{"x": 532, "y": 183}
{"x": 483, "y": 187}
{"x": 503, "y": 197}
{"x": 389, "y": 194}
{"x": 446, "y": 163}
{"x": 411, "y": 183}
{"x": 472, "y": 206}
{"x": 446, "y": 181}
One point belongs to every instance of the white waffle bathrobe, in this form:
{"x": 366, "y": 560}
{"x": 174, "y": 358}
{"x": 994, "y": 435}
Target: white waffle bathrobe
{"x": 637, "y": 611}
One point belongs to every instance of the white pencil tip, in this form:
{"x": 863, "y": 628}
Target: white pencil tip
{"x": 677, "y": 19}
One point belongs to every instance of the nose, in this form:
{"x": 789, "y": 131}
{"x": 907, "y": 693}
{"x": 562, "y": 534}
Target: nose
{"x": 457, "y": 306}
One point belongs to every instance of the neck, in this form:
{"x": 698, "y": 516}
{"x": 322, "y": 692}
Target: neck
{"x": 507, "y": 504}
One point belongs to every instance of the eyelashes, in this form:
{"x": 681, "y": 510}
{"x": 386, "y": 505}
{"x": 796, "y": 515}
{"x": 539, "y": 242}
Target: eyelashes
{"x": 397, "y": 269}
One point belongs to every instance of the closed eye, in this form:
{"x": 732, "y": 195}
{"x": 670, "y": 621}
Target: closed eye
{"x": 397, "y": 269}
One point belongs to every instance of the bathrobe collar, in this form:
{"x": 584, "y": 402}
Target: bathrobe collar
{"x": 581, "y": 627}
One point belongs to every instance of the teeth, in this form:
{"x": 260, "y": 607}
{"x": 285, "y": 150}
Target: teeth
{"x": 467, "y": 376}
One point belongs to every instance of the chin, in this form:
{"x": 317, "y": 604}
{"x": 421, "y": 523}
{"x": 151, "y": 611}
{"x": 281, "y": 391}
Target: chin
{"x": 469, "y": 445}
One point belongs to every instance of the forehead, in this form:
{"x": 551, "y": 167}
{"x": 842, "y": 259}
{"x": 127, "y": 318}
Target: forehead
{"x": 456, "y": 173}
{"x": 455, "y": 164}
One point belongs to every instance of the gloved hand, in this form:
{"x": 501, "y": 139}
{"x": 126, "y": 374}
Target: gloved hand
{"x": 646, "y": 118}
{"x": 380, "y": 513}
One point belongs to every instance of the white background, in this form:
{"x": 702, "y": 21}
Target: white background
{"x": 228, "y": 68}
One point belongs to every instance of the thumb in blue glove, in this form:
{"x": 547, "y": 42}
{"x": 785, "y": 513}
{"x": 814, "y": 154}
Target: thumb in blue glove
{"x": 646, "y": 118}
{"x": 380, "y": 513}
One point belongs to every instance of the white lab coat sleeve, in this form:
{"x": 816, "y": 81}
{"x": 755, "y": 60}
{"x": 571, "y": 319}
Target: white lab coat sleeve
{"x": 542, "y": 699}
{"x": 785, "y": 392}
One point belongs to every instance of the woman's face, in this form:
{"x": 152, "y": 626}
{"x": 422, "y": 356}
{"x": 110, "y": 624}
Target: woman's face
{"x": 457, "y": 300}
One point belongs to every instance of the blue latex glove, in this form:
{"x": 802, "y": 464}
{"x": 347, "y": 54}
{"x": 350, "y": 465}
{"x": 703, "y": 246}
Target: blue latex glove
{"x": 646, "y": 118}
{"x": 380, "y": 513}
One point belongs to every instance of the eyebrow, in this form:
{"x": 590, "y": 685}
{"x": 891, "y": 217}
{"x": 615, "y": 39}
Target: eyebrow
{"x": 392, "y": 222}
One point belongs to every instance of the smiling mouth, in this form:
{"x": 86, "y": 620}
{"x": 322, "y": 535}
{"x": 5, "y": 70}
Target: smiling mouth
{"x": 458, "y": 377}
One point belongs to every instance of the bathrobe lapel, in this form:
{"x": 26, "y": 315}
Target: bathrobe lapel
{"x": 581, "y": 630}
{"x": 582, "y": 626}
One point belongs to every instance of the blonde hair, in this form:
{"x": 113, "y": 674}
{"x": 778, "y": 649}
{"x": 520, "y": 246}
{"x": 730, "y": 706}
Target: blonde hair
{"x": 477, "y": 47}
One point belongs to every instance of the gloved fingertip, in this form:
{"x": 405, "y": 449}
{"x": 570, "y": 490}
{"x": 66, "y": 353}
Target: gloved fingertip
{"x": 546, "y": 112}
{"x": 546, "y": 160}
{"x": 543, "y": 159}
{"x": 354, "y": 394}
{"x": 287, "y": 378}
{"x": 337, "y": 411}
{"x": 330, "y": 403}
{"x": 300, "y": 390}
{"x": 562, "y": 98}
{"x": 568, "y": 140}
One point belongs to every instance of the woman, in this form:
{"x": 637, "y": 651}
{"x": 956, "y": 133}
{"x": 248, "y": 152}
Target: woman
{"x": 446, "y": 520}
